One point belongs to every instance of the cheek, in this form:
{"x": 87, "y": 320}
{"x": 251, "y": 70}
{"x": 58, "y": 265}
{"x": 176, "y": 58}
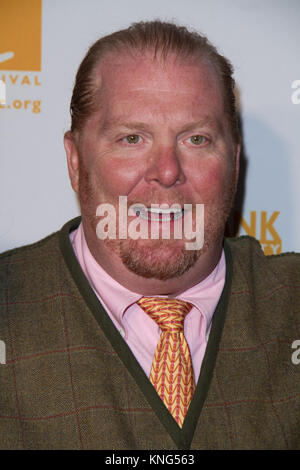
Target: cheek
{"x": 211, "y": 181}
{"x": 116, "y": 177}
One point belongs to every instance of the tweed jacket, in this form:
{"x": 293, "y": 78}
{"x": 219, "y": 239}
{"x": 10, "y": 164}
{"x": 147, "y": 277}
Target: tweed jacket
{"x": 71, "y": 382}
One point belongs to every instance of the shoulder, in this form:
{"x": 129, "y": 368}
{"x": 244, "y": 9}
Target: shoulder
{"x": 45, "y": 248}
{"x": 39, "y": 252}
{"x": 24, "y": 269}
{"x": 249, "y": 258}
{"x": 34, "y": 265}
{"x": 250, "y": 249}
{"x": 264, "y": 290}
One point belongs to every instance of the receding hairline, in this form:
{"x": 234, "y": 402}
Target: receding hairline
{"x": 163, "y": 40}
{"x": 136, "y": 52}
{"x": 106, "y": 59}
{"x": 111, "y": 56}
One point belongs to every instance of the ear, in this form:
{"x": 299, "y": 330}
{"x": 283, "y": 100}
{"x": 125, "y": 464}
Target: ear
{"x": 72, "y": 159}
{"x": 237, "y": 162}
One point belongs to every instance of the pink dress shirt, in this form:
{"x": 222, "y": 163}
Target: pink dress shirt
{"x": 139, "y": 331}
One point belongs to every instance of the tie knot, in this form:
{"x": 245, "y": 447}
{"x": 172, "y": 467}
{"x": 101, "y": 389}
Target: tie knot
{"x": 169, "y": 314}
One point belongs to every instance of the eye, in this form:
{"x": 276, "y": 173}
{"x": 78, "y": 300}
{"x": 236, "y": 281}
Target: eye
{"x": 133, "y": 139}
{"x": 197, "y": 139}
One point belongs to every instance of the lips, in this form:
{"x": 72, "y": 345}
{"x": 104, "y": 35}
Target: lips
{"x": 159, "y": 214}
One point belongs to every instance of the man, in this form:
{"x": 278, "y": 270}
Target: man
{"x": 120, "y": 339}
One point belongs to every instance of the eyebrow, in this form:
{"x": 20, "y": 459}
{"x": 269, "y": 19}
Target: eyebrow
{"x": 111, "y": 124}
{"x": 202, "y": 123}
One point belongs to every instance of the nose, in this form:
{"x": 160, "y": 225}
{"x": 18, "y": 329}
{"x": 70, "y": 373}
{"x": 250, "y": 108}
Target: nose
{"x": 164, "y": 167}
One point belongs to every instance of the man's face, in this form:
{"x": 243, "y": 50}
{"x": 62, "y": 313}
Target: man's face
{"x": 160, "y": 136}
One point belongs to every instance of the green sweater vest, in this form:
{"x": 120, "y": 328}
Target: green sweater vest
{"x": 71, "y": 382}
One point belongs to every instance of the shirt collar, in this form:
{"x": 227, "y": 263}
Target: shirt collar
{"x": 206, "y": 294}
{"x": 117, "y": 298}
{"x": 114, "y": 297}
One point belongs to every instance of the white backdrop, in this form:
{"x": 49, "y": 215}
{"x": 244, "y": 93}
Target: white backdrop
{"x": 260, "y": 37}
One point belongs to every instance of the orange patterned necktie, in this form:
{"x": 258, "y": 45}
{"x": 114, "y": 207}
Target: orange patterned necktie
{"x": 172, "y": 371}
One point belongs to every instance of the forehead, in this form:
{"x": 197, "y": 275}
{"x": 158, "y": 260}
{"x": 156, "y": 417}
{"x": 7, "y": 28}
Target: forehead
{"x": 131, "y": 83}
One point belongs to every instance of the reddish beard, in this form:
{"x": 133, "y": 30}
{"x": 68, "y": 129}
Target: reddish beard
{"x": 158, "y": 259}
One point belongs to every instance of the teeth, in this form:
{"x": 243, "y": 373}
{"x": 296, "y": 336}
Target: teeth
{"x": 164, "y": 211}
{"x": 144, "y": 214}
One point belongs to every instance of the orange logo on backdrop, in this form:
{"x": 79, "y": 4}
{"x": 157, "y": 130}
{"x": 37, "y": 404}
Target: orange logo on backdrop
{"x": 269, "y": 237}
{"x": 259, "y": 225}
{"x": 20, "y": 35}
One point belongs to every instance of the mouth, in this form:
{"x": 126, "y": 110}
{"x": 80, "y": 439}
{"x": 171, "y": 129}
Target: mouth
{"x": 159, "y": 214}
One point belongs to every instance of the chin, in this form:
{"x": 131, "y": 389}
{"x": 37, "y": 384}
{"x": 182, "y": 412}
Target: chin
{"x": 155, "y": 259}
{"x": 162, "y": 259}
